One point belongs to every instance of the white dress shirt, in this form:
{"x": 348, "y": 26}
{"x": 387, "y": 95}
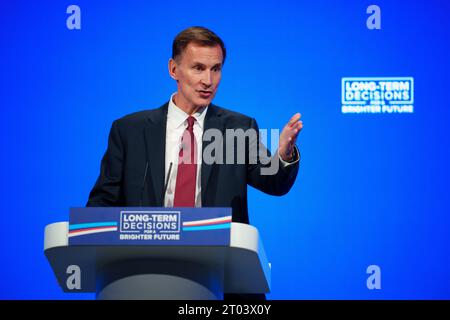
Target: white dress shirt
{"x": 175, "y": 127}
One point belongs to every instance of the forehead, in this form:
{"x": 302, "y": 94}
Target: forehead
{"x": 197, "y": 53}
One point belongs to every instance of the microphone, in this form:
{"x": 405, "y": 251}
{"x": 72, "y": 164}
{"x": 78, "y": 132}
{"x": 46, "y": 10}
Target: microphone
{"x": 167, "y": 181}
{"x": 143, "y": 185}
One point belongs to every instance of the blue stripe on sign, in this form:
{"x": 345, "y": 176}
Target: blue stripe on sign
{"x": 213, "y": 227}
{"x": 92, "y": 225}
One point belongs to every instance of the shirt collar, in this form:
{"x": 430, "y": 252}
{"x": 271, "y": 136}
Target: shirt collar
{"x": 178, "y": 116}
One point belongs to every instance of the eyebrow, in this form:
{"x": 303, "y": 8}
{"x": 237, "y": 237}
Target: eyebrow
{"x": 203, "y": 65}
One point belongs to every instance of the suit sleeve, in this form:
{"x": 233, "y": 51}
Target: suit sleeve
{"x": 107, "y": 191}
{"x": 266, "y": 172}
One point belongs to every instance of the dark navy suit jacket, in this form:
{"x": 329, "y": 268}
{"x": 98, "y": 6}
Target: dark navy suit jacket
{"x": 140, "y": 138}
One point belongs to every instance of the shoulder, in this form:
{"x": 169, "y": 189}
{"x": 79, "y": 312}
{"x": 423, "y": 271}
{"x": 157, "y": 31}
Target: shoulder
{"x": 233, "y": 118}
{"x": 140, "y": 119}
{"x": 142, "y": 116}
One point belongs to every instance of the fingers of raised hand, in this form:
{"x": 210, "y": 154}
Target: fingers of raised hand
{"x": 294, "y": 119}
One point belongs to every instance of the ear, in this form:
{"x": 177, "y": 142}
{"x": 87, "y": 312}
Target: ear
{"x": 173, "y": 69}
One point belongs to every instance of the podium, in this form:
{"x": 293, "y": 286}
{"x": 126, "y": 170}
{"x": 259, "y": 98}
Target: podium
{"x": 156, "y": 253}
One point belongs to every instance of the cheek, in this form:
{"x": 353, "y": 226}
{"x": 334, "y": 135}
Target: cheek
{"x": 217, "y": 79}
{"x": 191, "y": 80}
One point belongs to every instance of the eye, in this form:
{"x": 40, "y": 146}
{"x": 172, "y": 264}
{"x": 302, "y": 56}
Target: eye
{"x": 197, "y": 67}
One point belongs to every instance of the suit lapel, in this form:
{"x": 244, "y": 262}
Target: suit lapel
{"x": 213, "y": 120}
{"x": 155, "y": 137}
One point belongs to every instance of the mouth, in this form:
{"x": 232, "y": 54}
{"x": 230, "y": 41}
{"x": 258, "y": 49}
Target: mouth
{"x": 205, "y": 93}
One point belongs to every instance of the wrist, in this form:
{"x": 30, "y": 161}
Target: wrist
{"x": 289, "y": 156}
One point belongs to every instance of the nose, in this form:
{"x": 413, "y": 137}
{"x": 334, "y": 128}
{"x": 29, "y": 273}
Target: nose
{"x": 207, "y": 78}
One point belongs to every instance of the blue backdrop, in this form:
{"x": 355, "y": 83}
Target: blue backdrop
{"x": 371, "y": 187}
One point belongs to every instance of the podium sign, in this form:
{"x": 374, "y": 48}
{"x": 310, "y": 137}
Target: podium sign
{"x": 149, "y": 226}
{"x": 156, "y": 253}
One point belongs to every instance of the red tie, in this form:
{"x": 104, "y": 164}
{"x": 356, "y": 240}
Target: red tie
{"x": 187, "y": 168}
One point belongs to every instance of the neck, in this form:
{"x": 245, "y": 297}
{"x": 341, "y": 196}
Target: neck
{"x": 190, "y": 110}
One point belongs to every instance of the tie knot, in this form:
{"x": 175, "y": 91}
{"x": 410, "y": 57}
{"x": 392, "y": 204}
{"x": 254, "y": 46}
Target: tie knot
{"x": 190, "y": 121}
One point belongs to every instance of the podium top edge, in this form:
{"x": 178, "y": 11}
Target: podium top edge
{"x": 242, "y": 236}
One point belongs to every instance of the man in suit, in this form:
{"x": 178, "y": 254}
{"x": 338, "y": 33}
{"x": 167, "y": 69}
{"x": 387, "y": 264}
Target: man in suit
{"x": 157, "y": 157}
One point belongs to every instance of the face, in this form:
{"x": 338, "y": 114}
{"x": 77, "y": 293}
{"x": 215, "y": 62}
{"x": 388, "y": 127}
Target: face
{"x": 198, "y": 73}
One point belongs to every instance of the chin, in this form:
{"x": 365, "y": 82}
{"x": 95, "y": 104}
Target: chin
{"x": 203, "y": 102}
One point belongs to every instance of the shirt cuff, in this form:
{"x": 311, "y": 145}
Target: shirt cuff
{"x": 286, "y": 163}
